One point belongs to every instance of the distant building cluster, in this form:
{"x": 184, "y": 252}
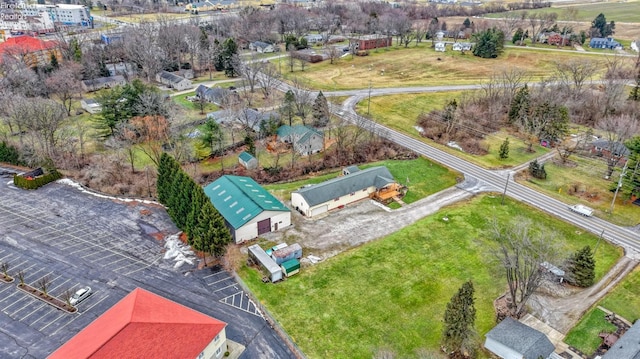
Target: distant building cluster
{"x": 22, "y": 18}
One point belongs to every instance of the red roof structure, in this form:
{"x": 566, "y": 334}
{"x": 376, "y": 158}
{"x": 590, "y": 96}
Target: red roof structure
{"x": 20, "y": 45}
{"x": 143, "y": 325}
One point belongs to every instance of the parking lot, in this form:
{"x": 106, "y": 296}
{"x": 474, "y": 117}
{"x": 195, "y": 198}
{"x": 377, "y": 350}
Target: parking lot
{"x": 74, "y": 240}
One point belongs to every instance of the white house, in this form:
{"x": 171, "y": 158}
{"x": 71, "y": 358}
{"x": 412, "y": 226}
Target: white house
{"x": 341, "y": 191}
{"x": 634, "y": 46}
{"x": 440, "y": 46}
{"x": 90, "y": 105}
{"x": 306, "y": 140}
{"x": 511, "y": 339}
{"x": 248, "y": 209}
{"x": 172, "y": 80}
{"x": 261, "y": 47}
{"x": 461, "y": 46}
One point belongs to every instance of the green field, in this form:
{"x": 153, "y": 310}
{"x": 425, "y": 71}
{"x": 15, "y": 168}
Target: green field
{"x": 424, "y": 176}
{"x": 584, "y": 336}
{"x": 586, "y": 174}
{"x": 613, "y": 11}
{"x": 624, "y": 300}
{"x": 400, "y": 112}
{"x": 392, "y": 292}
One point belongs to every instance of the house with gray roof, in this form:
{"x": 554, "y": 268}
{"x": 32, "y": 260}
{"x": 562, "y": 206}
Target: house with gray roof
{"x": 305, "y": 140}
{"x": 511, "y": 339}
{"x": 215, "y": 95}
{"x": 628, "y": 346}
{"x": 246, "y": 118}
{"x": 248, "y": 209}
{"x": 262, "y": 47}
{"x": 173, "y": 81}
{"x": 100, "y": 83}
{"x": 336, "y": 193}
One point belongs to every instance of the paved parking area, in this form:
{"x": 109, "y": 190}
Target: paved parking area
{"x": 75, "y": 240}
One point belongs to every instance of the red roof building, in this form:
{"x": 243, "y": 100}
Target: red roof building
{"x": 146, "y": 325}
{"x": 32, "y": 50}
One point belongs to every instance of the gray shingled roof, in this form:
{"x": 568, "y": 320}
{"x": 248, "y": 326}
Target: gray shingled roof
{"x": 627, "y": 347}
{"x": 173, "y": 78}
{"x": 525, "y": 340}
{"x": 340, "y": 186}
{"x": 615, "y": 147}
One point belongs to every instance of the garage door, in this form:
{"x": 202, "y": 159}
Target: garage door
{"x": 264, "y": 226}
{"x": 319, "y": 210}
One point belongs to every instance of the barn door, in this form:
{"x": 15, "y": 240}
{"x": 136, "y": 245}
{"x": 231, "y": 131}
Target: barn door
{"x": 264, "y": 226}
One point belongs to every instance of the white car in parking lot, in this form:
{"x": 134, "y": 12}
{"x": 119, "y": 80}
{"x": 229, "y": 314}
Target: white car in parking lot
{"x": 80, "y": 295}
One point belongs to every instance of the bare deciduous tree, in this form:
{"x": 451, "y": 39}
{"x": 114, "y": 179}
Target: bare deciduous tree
{"x": 520, "y": 249}
{"x": 618, "y": 129}
{"x": 64, "y": 83}
{"x": 574, "y": 74}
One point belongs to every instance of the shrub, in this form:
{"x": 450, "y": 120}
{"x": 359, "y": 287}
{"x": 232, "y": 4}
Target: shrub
{"x": 9, "y": 154}
{"x": 37, "y": 182}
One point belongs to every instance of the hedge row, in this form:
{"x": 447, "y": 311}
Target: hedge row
{"x": 37, "y": 182}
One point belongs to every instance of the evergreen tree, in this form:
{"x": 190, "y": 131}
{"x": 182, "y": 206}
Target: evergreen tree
{"x": 489, "y": 43}
{"x": 519, "y": 106}
{"x": 251, "y": 144}
{"x": 537, "y": 170}
{"x": 288, "y": 106}
{"x": 466, "y": 23}
{"x": 504, "y": 149}
{"x": 198, "y": 201}
{"x": 600, "y": 24}
{"x": 518, "y": 36}
{"x": 631, "y": 180}
{"x": 54, "y": 61}
{"x": 581, "y": 267}
{"x": 75, "y": 52}
{"x": 635, "y": 92}
{"x": 164, "y": 177}
{"x": 179, "y": 203}
{"x": 218, "y": 58}
{"x": 458, "y": 334}
{"x": 320, "y": 111}
{"x": 210, "y": 234}
{"x": 229, "y": 55}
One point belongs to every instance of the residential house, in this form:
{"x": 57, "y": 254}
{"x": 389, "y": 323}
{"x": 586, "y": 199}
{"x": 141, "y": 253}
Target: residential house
{"x": 248, "y": 209}
{"x": 338, "y": 192}
{"x": 559, "y": 39}
{"x": 305, "y": 140}
{"x": 511, "y": 339}
{"x": 262, "y": 47}
{"x": 247, "y": 160}
{"x": 604, "y": 43}
{"x": 146, "y": 324}
{"x": 462, "y": 46}
{"x": 313, "y": 38}
{"x": 201, "y": 6}
{"x": 610, "y": 149}
{"x": 173, "y": 81}
{"x": 90, "y": 105}
{"x": 246, "y": 118}
{"x": 126, "y": 69}
{"x": 311, "y": 55}
{"x": 628, "y": 346}
{"x": 441, "y": 46}
{"x": 33, "y": 51}
{"x": 369, "y": 42}
{"x": 215, "y": 95}
{"x": 103, "y": 83}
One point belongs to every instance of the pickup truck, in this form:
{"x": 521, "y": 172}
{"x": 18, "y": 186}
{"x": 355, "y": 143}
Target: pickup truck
{"x": 580, "y": 209}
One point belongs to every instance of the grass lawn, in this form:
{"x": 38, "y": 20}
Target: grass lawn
{"x": 393, "y": 292}
{"x": 587, "y": 176}
{"x": 584, "y": 336}
{"x": 614, "y": 11}
{"x": 624, "y": 300}
{"x": 400, "y": 112}
{"x": 425, "y": 178}
{"x": 419, "y": 66}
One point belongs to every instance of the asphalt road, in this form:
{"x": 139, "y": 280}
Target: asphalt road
{"x": 76, "y": 239}
{"x": 624, "y": 237}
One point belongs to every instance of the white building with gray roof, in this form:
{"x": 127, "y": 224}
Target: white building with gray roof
{"x": 511, "y": 339}
{"x": 338, "y": 192}
{"x": 628, "y": 346}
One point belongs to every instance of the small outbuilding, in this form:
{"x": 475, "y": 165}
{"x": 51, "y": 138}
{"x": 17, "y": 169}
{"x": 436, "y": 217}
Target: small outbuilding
{"x": 248, "y": 209}
{"x": 90, "y": 105}
{"x": 247, "y": 160}
{"x": 511, "y": 339}
{"x": 286, "y": 253}
{"x": 290, "y": 267}
{"x": 441, "y": 46}
{"x": 260, "y": 257}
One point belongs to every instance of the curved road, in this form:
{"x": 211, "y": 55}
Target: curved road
{"x": 497, "y": 180}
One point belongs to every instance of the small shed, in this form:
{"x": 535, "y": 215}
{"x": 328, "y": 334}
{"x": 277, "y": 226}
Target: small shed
{"x": 282, "y": 255}
{"x": 290, "y": 267}
{"x": 90, "y": 105}
{"x": 247, "y": 160}
{"x": 260, "y": 257}
{"x": 557, "y": 272}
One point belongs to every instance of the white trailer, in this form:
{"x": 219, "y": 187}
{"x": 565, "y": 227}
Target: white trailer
{"x": 583, "y": 210}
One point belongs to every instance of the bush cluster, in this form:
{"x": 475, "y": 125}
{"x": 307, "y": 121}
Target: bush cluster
{"x": 37, "y": 182}
{"x": 9, "y": 154}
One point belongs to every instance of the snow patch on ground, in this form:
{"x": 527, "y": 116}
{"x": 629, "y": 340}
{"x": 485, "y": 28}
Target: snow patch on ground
{"x": 178, "y": 251}
{"x": 80, "y": 188}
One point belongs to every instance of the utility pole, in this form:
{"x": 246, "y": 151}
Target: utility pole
{"x": 505, "y": 188}
{"x": 615, "y": 194}
{"x": 369, "y": 103}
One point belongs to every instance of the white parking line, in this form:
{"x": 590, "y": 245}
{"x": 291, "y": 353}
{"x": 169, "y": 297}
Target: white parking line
{"x": 59, "y": 285}
{"x": 53, "y": 321}
{"x": 30, "y": 314}
{"x": 78, "y": 316}
{"x": 211, "y": 275}
{"x": 42, "y": 317}
{"x": 28, "y": 297}
{"x": 223, "y": 288}
{"x": 218, "y": 281}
